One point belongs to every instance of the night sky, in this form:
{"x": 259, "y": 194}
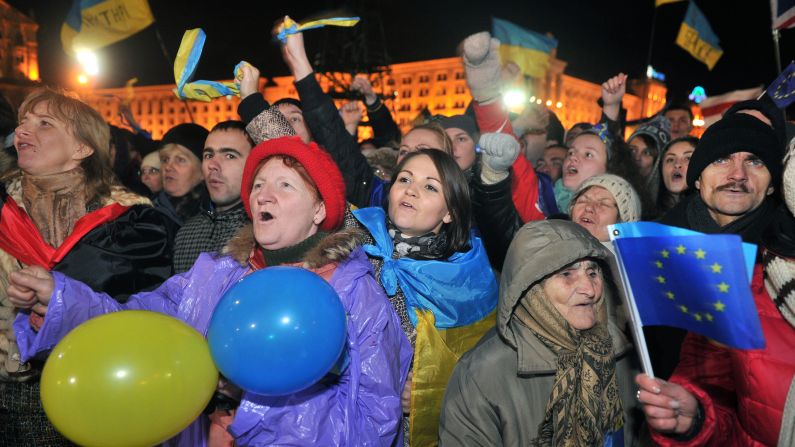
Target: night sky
{"x": 596, "y": 38}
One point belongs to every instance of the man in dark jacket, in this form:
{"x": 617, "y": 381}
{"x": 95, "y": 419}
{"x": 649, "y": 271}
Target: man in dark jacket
{"x": 223, "y": 159}
{"x": 314, "y": 118}
{"x": 735, "y": 169}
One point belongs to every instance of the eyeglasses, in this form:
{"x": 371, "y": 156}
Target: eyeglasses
{"x": 597, "y": 204}
{"x": 148, "y": 171}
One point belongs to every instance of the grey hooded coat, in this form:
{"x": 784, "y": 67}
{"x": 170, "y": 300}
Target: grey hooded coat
{"x": 499, "y": 390}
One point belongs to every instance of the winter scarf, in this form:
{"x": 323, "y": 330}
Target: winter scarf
{"x": 584, "y": 405}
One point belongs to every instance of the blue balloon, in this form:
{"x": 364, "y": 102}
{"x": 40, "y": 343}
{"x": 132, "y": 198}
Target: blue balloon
{"x": 278, "y": 331}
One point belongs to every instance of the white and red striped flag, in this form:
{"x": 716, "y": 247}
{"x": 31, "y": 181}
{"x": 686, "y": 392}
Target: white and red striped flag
{"x": 783, "y": 13}
{"x": 713, "y": 106}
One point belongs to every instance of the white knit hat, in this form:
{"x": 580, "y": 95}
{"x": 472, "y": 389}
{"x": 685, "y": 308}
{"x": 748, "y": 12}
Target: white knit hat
{"x": 626, "y": 197}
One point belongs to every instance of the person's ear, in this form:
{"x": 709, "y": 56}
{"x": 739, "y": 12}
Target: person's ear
{"x": 320, "y": 214}
{"x": 83, "y": 151}
{"x": 447, "y": 218}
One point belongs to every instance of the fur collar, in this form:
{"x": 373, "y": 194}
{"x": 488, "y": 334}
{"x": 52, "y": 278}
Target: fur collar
{"x": 333, "y": 248}
{"x": 118, "y": 194}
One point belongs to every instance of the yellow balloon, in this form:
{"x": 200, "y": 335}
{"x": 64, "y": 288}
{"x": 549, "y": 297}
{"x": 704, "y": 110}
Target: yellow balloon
{"x": 131, "y": 378}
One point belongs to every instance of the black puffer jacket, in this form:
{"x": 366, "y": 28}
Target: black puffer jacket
{"x": 495, "y": 216}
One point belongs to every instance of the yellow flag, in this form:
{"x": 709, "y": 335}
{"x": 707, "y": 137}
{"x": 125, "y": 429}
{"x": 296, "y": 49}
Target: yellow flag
{"x": 665, "y": 2}
{"x": 92, "y": 24}
{"x": 435, "y": 355}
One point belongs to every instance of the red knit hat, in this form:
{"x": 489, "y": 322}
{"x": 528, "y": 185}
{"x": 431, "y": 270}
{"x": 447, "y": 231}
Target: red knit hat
{"x": 318, "y": 164}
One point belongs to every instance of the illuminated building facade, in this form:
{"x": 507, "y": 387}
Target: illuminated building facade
{"x": 19, "y": 63}
{"x": 438, "y": 85}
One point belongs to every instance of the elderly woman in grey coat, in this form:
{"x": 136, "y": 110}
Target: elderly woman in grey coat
{"x": 557, "y": 370}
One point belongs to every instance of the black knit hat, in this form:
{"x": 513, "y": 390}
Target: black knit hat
{"x": 191, "y": 136}
{"x": 462, "y": 122}
{"x": 737, "y": 132}
{"x": 767, "y": 108}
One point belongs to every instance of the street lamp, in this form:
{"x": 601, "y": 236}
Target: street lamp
{"x": 89, "y": 61}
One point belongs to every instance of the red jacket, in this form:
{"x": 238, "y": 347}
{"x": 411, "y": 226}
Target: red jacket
{"x": 742, "y": 392}
{"x": 524, "y": 182}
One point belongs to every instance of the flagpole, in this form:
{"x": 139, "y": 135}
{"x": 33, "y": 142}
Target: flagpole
{"x": 776, "y": 36}
{"x": 632, "y": 308}
{"x": 648, "y": 56}
{"x": 170, "y": 62}
{"x": 651, "y": 38}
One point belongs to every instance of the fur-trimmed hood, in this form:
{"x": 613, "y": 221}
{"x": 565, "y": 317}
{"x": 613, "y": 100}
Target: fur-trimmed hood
{"x": 333, "y": 248}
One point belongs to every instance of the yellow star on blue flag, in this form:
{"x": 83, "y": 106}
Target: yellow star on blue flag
{"x": 707, "y": 293}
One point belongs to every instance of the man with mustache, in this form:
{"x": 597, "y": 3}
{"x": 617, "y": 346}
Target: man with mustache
{"x": 224, "y": 156}
{"x": 735, "y": 168}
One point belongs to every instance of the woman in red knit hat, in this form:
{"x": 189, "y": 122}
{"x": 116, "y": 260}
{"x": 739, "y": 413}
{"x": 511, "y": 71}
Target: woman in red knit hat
{"x": 295, "y": 195}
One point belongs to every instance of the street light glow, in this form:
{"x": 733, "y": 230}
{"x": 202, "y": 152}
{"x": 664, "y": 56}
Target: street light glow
{"x": 82, "y": 79}
{"x": 89, "y": 61}
{"x": 513, "y": 98}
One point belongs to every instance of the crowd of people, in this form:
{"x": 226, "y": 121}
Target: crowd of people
{"x": 471, "y": 254}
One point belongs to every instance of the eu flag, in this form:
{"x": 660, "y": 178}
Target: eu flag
{"x": 688, "y": 280}
{"x": 782, "y": 90}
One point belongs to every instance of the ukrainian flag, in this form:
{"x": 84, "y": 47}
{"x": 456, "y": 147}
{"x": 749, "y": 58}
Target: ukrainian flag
{"x": 697, "y": 37}
{"x": 527, "y": 49}
{"x": 92, "y": 24}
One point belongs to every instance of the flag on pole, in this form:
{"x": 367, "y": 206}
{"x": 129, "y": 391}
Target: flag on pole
{"x": 693, "y": 281}
{"x": 697, "y": 37}
{"x": 712, "y": 107}
{"x": 783, "y": 13}
{"x": 529, "y": 50}
{"x": 93, "y": 24}
{"x": 665, "y": 2}
{"x": 782, "y": 90}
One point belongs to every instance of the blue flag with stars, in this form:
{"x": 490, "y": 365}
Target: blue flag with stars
{"x": 693, "y": 281}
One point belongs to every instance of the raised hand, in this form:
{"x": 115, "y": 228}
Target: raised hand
{"x": 249, "y": 80}
{"x": 669, "y": 408}
{"x": 499, "y": 150}
{"x": 294, "y": 54}
{"x": 613, "y": 91}
{"x": 351, "y": 114}
{"x": 362, "y": 85}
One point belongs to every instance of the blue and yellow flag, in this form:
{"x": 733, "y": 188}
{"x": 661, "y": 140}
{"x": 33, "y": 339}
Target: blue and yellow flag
{"x": 290, "y": 26}
{"x": 690, "y": 280}
{"x": 92, "y": 24}
{"x": 697, "y": 37}
{"x": 527, "y": 49}
{"x": 665, "y": 2}
{"x": 188, "y": 55}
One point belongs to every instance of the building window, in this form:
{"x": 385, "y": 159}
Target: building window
{"x": 441, "y": 77}
{"x": 441, "y": 92}
{"x": 424, "y": 79}
{"x": 459, "y": 75}
{"x": 458, "y": 105}
{"x": 405, "y": 107}
{"x": 460, "y": 89}
{"x": 423, "y": 92}
{"x": 439, "y": 106}
{"x": 406, "y": 80}
{"x": 406, "y": 94}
